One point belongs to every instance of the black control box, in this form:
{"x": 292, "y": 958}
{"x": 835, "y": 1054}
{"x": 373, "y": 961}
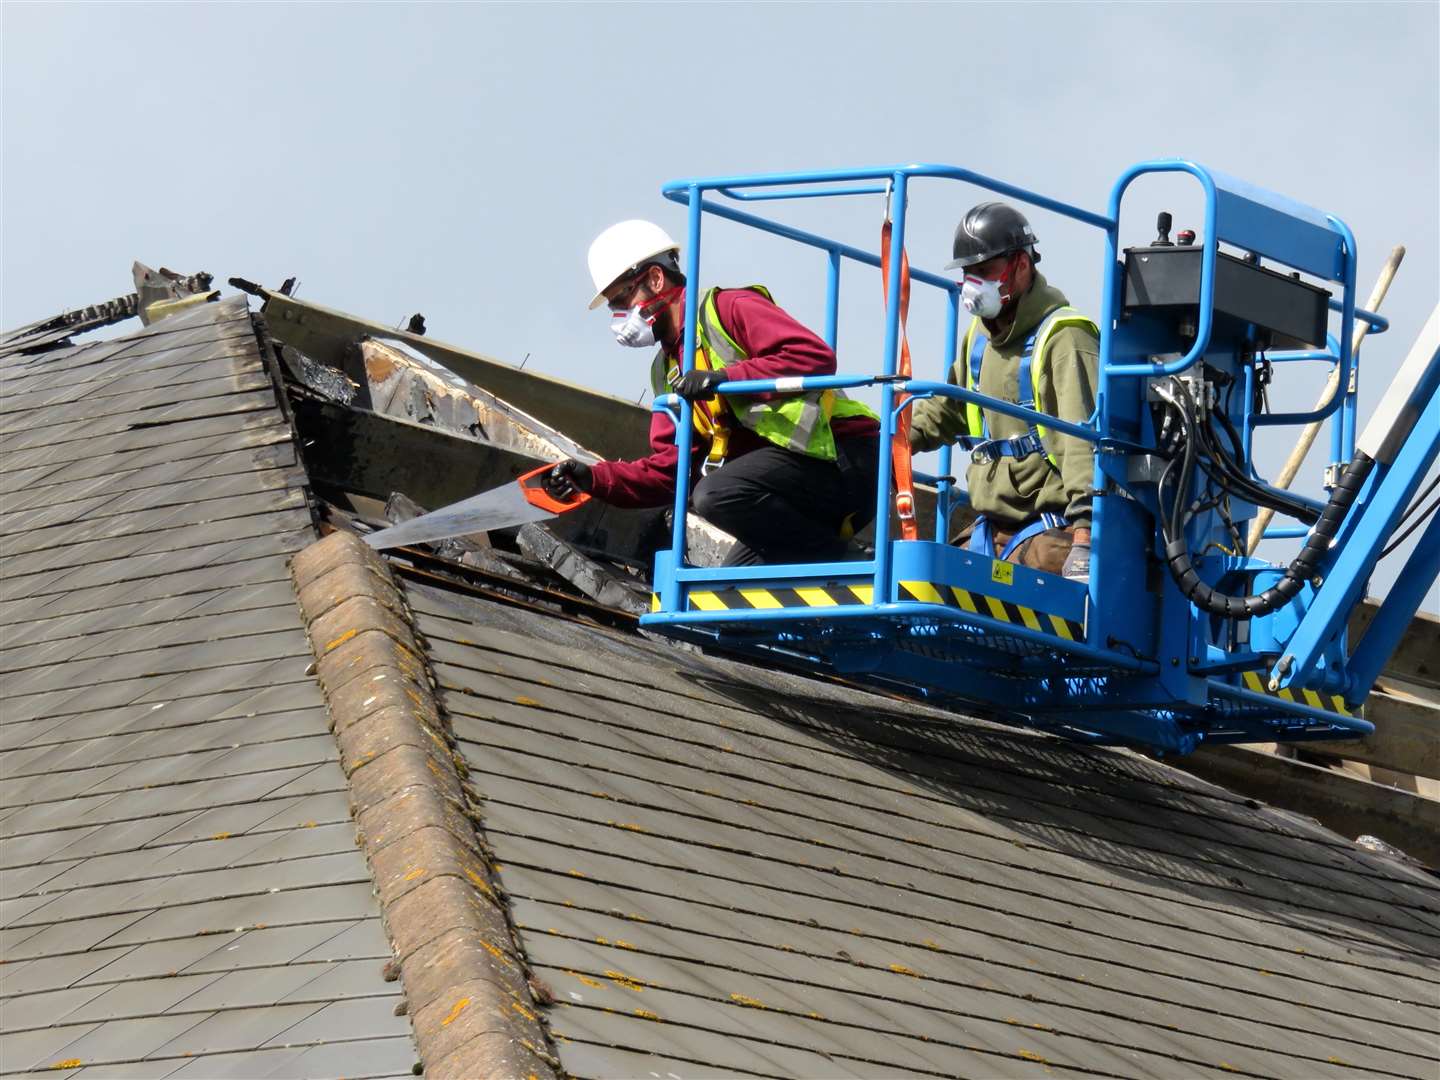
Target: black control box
{"x": 1288, "y": 312}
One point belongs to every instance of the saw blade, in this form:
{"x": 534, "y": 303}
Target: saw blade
{"x": 502, "y": 508}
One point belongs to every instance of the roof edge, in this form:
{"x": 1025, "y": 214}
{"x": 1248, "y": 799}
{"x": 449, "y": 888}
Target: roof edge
{"x": 469, "y": 991}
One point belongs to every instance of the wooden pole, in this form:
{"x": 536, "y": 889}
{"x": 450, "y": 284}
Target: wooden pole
{"x": 1332, "y": 386}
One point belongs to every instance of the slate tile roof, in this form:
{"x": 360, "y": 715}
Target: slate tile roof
{"x": 721, "y": 870}
{"x": 182, "y": 895}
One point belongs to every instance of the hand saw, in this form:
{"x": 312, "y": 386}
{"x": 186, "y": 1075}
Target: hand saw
{"x": 517, "y": 503}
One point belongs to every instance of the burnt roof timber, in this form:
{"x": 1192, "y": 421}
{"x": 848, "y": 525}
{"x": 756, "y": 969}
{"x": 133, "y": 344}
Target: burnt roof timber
{"x": 610, "y": 426}
{"x": 357, "y": 451}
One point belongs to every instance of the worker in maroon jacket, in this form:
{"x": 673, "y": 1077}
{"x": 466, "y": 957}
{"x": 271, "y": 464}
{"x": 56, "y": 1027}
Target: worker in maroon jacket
{"x": 799, "y": 469}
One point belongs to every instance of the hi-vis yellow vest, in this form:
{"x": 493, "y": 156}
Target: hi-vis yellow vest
{"x": 1033, "y": 359}
{"x": 798, "y": 422}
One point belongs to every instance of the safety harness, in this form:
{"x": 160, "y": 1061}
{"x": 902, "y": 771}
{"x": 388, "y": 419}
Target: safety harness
{"x": 711, "y": 417}
{"x": 799, "y": 422}
{"x": 982, "y": 538}
{"x": 983, "y": 447}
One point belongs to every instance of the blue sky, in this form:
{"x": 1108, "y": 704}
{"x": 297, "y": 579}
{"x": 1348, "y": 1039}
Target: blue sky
{"x": 457, "y": 159}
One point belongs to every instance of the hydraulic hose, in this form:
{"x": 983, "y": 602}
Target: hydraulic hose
{"x": 1301, "y": 570}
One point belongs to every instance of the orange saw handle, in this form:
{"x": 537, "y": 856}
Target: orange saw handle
{"x": 533, "y": 488}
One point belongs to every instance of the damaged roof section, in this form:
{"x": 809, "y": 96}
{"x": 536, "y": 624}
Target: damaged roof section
{"x": 182, "y": 892}
{"x": 158, "y": 293}
{"x": 607, "y": 425}
{"x": 391, "y": 432}
{"x": 57, "y": 330}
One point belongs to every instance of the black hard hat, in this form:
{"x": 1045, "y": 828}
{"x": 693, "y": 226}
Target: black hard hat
{"x": 990, "y": 229}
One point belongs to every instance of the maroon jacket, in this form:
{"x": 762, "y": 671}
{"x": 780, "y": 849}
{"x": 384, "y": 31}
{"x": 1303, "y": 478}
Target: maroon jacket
{"x": 776, "y": 346}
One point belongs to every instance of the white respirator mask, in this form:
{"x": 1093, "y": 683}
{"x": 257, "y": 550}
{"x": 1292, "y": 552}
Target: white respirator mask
{"x": 632, "y": 329}
{"x": 981, "y": 297}
{"x": 635, "y": 327}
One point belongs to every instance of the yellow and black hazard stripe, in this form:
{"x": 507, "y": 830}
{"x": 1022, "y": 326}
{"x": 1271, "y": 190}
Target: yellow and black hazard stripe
{"x": 1334, "y": 703}
{"x": 927, "y": 592}
{"x": 830, "y": 594}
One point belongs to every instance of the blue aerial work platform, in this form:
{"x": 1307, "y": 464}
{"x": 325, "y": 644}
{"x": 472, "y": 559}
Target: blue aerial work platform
{"x": 1179, "y": 637}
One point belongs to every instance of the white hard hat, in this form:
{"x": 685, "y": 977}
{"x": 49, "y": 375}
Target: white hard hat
{"x": 621, "y": 248}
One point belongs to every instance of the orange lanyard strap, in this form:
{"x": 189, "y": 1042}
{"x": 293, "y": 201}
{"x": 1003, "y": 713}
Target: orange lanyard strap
{"x": 904, "y": 481}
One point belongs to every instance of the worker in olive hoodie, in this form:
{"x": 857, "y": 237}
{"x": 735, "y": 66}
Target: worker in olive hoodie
{"x": 1029, "y": 486}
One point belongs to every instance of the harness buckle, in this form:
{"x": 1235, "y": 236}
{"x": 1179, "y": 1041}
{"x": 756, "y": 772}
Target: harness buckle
{"x": 1027, "y": 444}
{"x": 1018, "y": 447}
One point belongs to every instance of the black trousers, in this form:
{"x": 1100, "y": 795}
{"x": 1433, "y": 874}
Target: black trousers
{"x": 785, "y": 507}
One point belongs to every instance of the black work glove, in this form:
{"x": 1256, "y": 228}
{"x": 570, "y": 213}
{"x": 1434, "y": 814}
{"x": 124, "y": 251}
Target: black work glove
{"x": 567, "y": 480}
{"x": 697, "y": 384}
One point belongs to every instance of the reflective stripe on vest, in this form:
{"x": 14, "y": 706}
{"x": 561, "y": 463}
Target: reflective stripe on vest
{"x": 1032, "y": 364}
{"x": 798, "y": 422}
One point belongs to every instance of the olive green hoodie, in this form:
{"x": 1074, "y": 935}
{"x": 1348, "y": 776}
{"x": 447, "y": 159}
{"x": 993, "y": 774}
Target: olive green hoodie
{"x": 1009, "y": 491}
